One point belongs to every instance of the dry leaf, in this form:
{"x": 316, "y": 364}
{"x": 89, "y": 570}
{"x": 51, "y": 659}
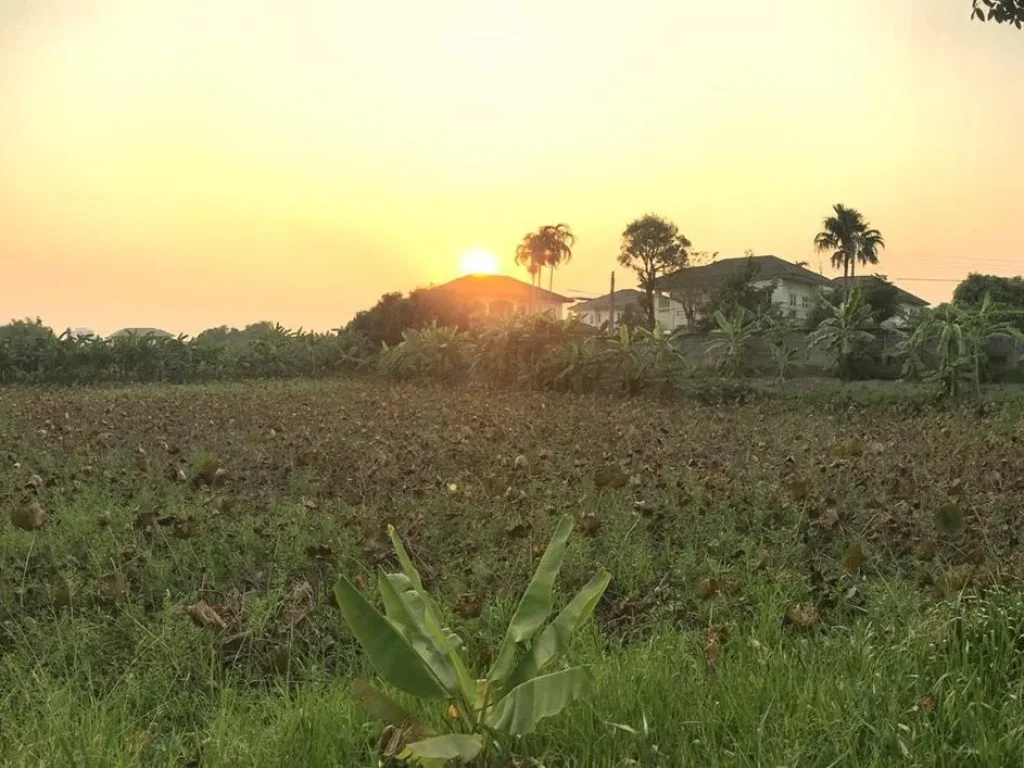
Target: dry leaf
{"x": 35, "y": 483}
{"x": 470, "y": 606}
{"x": 708, "y": 588}
{"x": 801, "y": 616}
{"x": 203, "y": 615}
{"x": 589, "y": 525}
{"x": 925, "y": 550}
{"x": 712, "y": 648}
{"x": 30, "y": 517}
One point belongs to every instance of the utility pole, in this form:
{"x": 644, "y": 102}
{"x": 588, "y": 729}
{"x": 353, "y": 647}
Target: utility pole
{"x": 611, "y": 305}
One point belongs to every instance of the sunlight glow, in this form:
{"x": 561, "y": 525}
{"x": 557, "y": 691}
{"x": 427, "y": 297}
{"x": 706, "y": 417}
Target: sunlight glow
{"x": 479, "y": 262}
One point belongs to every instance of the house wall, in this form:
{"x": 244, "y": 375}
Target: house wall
{"x": 794, "y": 299}
{"x": 668, "y": 314}
{"x": 484, "y": 306}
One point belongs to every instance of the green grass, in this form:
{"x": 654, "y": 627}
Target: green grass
{"x": 912, "y": 662}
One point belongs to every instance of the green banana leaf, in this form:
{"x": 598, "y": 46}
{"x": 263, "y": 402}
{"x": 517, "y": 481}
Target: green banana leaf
{"x": 391, "y": 654}
{"x": 555, "y": 637}
{"x": 438, "y": 750}
{"x": 536, "y": 603}
{"x": 423, "y": 608}
{"x": 526, "y": 705}
{"x": 406, "y": 610}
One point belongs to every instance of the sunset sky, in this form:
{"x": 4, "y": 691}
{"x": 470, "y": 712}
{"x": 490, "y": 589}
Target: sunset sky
{"x": 190, "y": 163}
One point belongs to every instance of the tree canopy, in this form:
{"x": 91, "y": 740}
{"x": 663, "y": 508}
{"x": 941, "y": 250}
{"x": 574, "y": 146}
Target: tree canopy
{"x": 396, "y": 312}
{"x": 550, "y": 246}
{"x": 848, "y": 238}
{"x": 652, "y": 246}
{"x": 1006, "y": 292}
{"x": 1000, "y": 11}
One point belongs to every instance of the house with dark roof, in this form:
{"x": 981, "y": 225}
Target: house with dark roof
{"x": 597, "y": 312}
{"x": 501, "y": 296}
{"x": 908, "y": 302}
{"x": 795, "y": 288}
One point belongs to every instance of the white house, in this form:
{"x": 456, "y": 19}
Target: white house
{"x": 597, "y": 312}
{"x": 795, "y": 293}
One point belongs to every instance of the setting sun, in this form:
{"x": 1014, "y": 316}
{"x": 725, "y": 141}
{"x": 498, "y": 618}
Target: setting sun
{"x": 479, "y": 262}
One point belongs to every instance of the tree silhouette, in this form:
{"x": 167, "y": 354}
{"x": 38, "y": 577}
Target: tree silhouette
{"x": 848, "y": 238}
{"x": 550, "y": 246}
{"x": 652, "y": 247}
{"x": 1000, "y": 11}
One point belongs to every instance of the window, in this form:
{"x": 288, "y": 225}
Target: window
{"x": 792, "y": 298}
{"x": 806, "y": 300}
{"x": 664, "y": 302}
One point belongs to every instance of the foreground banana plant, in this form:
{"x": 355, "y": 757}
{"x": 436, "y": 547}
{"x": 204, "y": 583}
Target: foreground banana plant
{"x": 411, "y": 650}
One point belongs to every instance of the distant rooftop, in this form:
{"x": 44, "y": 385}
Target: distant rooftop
{"x": 768, "y": 267}
{"x": 155, "y": 332}
{"x": 904, "y": 297}
{"x": 470, "y": 286}
{"x": 623, "y": 299}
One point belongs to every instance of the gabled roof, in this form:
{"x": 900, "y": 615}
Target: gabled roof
{"x": 767, "y": 268}
{"x": 623, "y": 299}
{"x": 902, "y": 296}
{"x": 494, "y": 286}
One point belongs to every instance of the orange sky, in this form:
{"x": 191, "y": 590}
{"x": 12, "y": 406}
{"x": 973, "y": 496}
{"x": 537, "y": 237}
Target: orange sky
{"x": 188, "y": 163}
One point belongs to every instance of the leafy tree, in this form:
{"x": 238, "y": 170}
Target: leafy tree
{"x": 550, "y": 246}
{"x": 652, "y": 247}
{"x": 1007, "y": 292}
{"x": 848, "y": 238}
{"x": 690, "y": 293}
{"x": 385, "y": 322}
{"x": 25, "y": 331}
{"x": 737, "y": 291}
{"x": 1000, "y": 11}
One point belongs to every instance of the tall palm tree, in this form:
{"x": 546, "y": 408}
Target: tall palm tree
{"x": 530, "y": 254}
{"x": 848, "y": 238}
{"x": 550, "y": 246}
{"x": 558, "y": 241}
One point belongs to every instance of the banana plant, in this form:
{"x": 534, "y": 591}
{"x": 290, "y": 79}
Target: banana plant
{"x": 411, "y": 650}
{"x": 844, "y": 333}
{"x": 730, "y": 339}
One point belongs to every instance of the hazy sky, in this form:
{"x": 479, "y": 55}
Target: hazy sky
{"x": 188, "y": 163}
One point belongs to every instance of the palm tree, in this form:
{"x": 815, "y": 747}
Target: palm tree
{"x": 848, "y": 238}
{"x": 530, "y": 254}
{"x": 558, "y": 241}
{"x": 550, "y": 246}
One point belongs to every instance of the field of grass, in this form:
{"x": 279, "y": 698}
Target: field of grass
{"x": 796, "y": 581}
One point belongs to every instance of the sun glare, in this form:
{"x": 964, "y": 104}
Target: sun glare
{"x": 479, "y": 262}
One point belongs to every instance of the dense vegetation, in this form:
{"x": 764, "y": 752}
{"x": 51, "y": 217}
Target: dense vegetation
{"x": 828, "y": 578}
{"x": 31, "y": 353}
{"x": 956, "y": 347}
